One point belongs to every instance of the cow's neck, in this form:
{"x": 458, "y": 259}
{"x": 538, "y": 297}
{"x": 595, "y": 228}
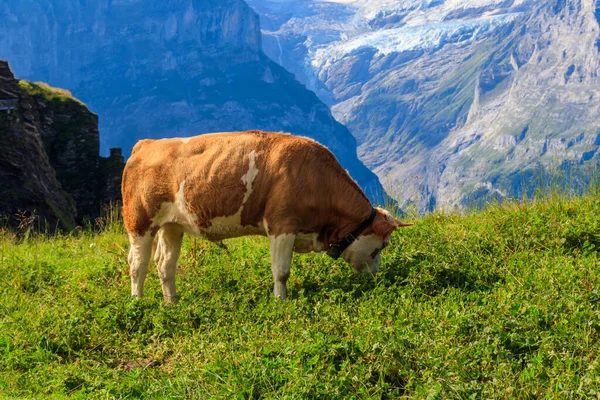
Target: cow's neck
{"x": 352, "y": 208}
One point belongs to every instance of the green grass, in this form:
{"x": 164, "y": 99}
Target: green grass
{"x": 48, "y": 92}
{"x": 502, "y": 303}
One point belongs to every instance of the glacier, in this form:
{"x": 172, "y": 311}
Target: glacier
{"x": 410, "y": 37}
{"x": 325, "y": 31}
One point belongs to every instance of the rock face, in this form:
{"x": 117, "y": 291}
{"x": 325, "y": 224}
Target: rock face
{"x": 50, "y": 164}
{"x": 70, "y": 135}
{"x": 27, "y": 180}
{"x": 536, "y": 101}
{"x": 166, "y": 69}
{"x": 452, "y": 102}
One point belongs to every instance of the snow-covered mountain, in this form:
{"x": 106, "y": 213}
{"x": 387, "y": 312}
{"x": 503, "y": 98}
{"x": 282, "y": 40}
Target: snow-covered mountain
{"x": 450, "y": 101}
{"x": 309, "y": 37}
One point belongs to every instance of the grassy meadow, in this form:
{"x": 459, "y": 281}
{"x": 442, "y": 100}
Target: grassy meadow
{"x": 500, "y": 303}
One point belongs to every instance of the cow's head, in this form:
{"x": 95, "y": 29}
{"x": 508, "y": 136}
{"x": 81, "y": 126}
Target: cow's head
{"x": 364, "y": 254}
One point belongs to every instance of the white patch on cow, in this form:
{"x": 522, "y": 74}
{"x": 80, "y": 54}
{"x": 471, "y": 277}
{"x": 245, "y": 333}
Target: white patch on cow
{"x": 307, "y": 242}
{"x": 177, "y": 213}
{"x": 281, "y": 258}
{"x": 231, "y": 225}
{"x": 181, "y": 139}
{"x": 358, "y": 254}
{"x": 388, "y": 217}
{"x": 249, "y": 177}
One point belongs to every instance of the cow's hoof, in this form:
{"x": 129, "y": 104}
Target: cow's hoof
{"x": 171, "y": 299}
{"x": 281, "y": 295}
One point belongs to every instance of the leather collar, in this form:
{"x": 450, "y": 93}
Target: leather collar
{"x": 336, "y": 249}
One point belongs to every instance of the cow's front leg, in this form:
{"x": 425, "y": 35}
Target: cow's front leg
{"x": 281, "y": 247}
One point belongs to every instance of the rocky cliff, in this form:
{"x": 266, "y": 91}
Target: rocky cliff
{"x": 27, "y": 180}
{"x": 164, "y": 69}
{"x": 50, "y": 164}
{"x": 452, "y": 102}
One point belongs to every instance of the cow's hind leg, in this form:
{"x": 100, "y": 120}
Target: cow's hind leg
{"x": 167, "y": 252}
{"x": 281, "y": 248}
{"x": 139, "y": 258}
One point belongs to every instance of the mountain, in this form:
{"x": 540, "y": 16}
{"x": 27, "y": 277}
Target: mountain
{"x": 452, "y": 102}
{"x": 329, "y": 34}
{"x": 50, "y": 165}
{"x": 164, "y": 69}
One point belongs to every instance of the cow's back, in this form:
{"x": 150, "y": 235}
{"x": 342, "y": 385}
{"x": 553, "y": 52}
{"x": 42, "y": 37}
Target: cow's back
{"x": 215, "y": 173}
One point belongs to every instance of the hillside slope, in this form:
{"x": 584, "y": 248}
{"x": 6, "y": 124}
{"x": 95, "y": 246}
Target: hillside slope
{"x": 499, "y": 304}
{"x": 165, "y": 69}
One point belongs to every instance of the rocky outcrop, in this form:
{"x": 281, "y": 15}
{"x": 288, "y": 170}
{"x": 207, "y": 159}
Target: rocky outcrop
{"x": 165, "y": 69}
{"x": 452, "y": 102}
{"x": 27, "y": 180}
{"x": 50, "y": 164}
{"x": 71, "y": 140}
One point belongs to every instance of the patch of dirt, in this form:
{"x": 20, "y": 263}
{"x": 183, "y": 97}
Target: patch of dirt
{"x": 137, "y": 364}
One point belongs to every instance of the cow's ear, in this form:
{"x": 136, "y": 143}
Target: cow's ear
{"x": 400, "y": 224}
{"x": 386, "y": 224}
{"x": 395, "y": 223}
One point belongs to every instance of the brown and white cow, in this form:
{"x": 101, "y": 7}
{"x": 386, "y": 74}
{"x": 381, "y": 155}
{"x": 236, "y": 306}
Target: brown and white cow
{"x": 223, "y": 185}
